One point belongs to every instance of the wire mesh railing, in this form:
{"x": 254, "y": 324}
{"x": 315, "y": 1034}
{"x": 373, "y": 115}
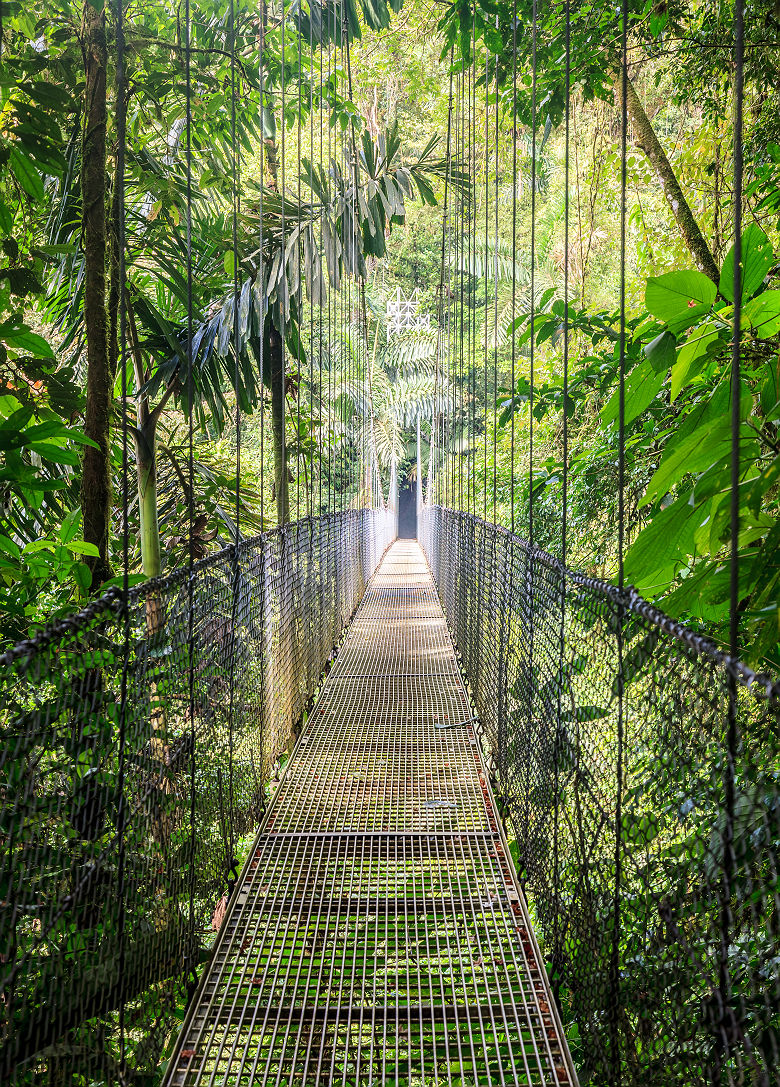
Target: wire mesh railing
{"x": 138, "y": 741}
{"x": 607, "y": 727}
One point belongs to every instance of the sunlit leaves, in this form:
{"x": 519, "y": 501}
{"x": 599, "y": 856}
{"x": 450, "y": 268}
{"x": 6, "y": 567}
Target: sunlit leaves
{"x": 757, "y": 257}
{"x": 679, "y": 299}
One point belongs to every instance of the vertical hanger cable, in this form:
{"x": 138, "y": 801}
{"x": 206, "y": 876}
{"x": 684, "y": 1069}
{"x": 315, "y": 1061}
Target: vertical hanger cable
{"x": 261, "y": 271}
{"x": 189, "y": 385}
{"x": 485, "y": 278}
{"x": 121, "y": 820}
{"x": 514, "y": 275}
{"x": 235, "y": 178}
{"x": 495, "y": 291}
{"x": 727, "y": 1027}
{"x": 615, "y": 998}
{"x": 561, "y": 689}
{"x": 532, "y": 290}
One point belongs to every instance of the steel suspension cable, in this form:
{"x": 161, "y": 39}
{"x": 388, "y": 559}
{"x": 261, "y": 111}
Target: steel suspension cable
{"x": 280, "y": 443}
{"x": 728, "y": 1019}
{"x": 556, "y": 936}
{"x": 120, "y": 242}
{"x": 514, "y": 275}
{"x": 614, "y": 973}
{"x": 190, "y": 387}
{"x": 331, "y": 300}
{"x": 321, "y": 432}
{"x": 311, "y": 430}
{"x": 457, "y": 302}
{"x": 464, "y": 257}
{"x": 530, "y": 565}
{"x": 235, "y": 178}
{"x": 262, "y": 271}
{"x": 299, "y": 349}
{"x": 472, "y": 325}
{"x": 495, "y": 297}
{"x": 485, "y": 279}
{"x": 532, "y": 297}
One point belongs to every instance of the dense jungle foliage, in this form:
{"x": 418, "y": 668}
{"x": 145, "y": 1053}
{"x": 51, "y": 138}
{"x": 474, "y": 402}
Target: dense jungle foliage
{"x": 327, "y": 174}
{"x": 61, "y": 447}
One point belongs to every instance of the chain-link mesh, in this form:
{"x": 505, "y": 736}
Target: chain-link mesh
{"x": 640, "y": 772}
{"x": 377, "y": 935}
{"x": 137, "y": 745}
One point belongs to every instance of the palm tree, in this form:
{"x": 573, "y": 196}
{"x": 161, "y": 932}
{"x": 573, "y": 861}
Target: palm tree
{"x": 385, "y": 387}
{"x": 309, "y": 247}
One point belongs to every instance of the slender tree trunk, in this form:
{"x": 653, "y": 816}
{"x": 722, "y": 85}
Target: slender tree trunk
{"x": 647, "y": 142}
{"x": 96, "y": 473}
{"x": 271, "y": 164}
{"x": 146, "y": 462}
{"x": 113, "y": 283}
{"x": 274, "y": 352}
{"x": 151, "y": 562}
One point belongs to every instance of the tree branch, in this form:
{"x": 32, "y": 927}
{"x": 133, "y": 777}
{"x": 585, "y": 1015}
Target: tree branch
{"x": 647, "y": 141}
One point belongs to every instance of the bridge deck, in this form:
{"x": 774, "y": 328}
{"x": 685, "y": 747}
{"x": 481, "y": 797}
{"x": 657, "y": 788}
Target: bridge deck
{"x": 378, "y": 935}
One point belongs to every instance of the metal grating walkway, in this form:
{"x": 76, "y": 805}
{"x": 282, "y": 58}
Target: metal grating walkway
{"x": 377, "y": 934}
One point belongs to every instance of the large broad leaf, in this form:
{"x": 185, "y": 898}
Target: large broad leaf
{"x": 642, "y": 386}
{"x": 706, "y": 592}
{"x": 663, "y": 545}
{"x": 26, "y": 174}
{"x": 680, "y": 299}
{"x": 661, "y": 351}
{"x": 756, "y": 260}
{"x": 692, "y": 356}
{"x": 20, "y": 338}
{"x": 702, "y": 439}
{"x": 762, "y": 314}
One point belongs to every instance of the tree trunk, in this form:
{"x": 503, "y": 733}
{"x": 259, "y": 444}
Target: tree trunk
{"x": 274, "y": 352}
{"x": 151, "y": 563}
{"x": 146, "y": 461}
{"x": 113, "y": 282}
{"x": 271, "y": 164}
{"x": 647, "y": 142}
{"x": 96, "y": 472}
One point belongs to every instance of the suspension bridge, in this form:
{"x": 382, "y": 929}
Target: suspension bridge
{"x": 378, "y": 932}
{"x": 312, "y": 804}
{"x": 375, "y": 927}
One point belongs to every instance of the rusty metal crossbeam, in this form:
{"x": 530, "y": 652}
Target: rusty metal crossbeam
{"x": 378, "y": 934}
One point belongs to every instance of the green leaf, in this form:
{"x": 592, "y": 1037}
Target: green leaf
{"x": 705, "y": 593}
{"x": 662, "y": 545}
{"x": 692, "y": 356}
{"x": 54, "y": 453}
{"x": 118, "y": 582}
{"x": 762, "y": 314}
{"x": 636, "y": 658}
{"x": 640, "y": 829}
{"x": 81, "y": 547}
{"x": 22, "y": 339}
{"x": 661, "y": 351}
{"x": 82, "y": 575}
{"x": 756, "y": 259}
{"x": 585, "y": 713}
{"x": 9, "y": 546}
{"x": 680, "y": 298}
{"x": 702, "y": 439}
{"x": 230, "y": 263}
{"x": 26, "y": 174}
{"x": 70, "y": 526}
{"x": 642, "y": 386}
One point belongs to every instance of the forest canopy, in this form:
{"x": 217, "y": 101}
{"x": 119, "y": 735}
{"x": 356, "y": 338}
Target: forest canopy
{"x": 300, "y": 115}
